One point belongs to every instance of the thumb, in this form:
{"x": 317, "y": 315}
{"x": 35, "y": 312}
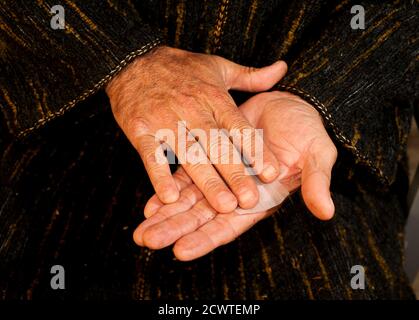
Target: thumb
{"x": 251, "y": 79}
{"x": 316, "y": 174}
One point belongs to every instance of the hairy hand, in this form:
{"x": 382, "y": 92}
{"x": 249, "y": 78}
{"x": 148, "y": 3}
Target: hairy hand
{"x": 166, "y": 86}
{"x": 294, "y": 132}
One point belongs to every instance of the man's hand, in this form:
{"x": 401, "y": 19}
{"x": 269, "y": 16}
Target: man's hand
{"x": 166, "y": 86}
{"x": 294, "y": 131}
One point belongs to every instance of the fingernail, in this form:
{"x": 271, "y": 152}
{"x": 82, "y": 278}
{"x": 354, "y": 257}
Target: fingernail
{"x": 150, "y": 209}
{"x": 246, "y": 195}
{"x": 226, "y": 199}
{"x": 269, "y": 172}
{"x": 137, "y": 238}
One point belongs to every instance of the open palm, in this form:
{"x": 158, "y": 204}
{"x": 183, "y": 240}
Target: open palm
{"x": 294, "y": 132}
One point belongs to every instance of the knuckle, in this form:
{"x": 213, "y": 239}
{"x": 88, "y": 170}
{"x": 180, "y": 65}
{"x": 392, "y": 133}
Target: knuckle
{"x": 137, "y": 126}
{"x": 240, "y": 125}
{"x": 238, "y": 122}
{"x": 212, "y": 184}
{"x": 153, "y": 162}
{"x": 193, "y": 169}
{"x": 249, "y": 70}
{"x": 236, "y": 179}
{"x": 220, "y": 97}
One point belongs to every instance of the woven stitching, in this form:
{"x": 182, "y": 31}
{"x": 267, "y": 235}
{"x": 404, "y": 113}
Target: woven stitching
{"x": 94, "y": 89}
{"x": 328, "y": 117}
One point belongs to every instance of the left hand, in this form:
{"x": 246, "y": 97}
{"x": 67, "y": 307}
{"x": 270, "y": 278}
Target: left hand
{"x": 294, "y": 132}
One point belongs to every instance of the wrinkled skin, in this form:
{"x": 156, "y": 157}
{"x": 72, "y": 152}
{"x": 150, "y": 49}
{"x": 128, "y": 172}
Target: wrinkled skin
{"x": 168, "y": 85}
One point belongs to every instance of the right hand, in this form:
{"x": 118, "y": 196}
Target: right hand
{"x": 168, "y": 85}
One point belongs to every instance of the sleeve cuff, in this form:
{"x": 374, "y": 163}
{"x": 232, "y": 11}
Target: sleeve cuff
{"x": 336, "y": 133}
{"x": 48, "y": 72}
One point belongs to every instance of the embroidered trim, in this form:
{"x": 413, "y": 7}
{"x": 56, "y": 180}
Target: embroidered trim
{"x": 94, "y": 89}
{"x": 345, "y": 141}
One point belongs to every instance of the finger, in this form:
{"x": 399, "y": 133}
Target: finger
{"x": 221, "y": 153}
{"x": 189, "y": 197}
{"x": 152, "y": 206}
{"x": 212, "y": 186}
{"x": 316, "y": 175}
{"x": 224, "y": 156}
{"x": 217, "y": 232}
{"x": 252, "y": 115}
{"x": 157, "y": 167}
{"x": 251, "y": 79}
{"x": 182, "y": 180}
{"x": 198, "y": 167}
{"x": 166, "y": 232}
{"x": 247, "y": 140}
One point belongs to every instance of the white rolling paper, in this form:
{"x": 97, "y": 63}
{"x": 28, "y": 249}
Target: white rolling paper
{"x": 270, "y": 195}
